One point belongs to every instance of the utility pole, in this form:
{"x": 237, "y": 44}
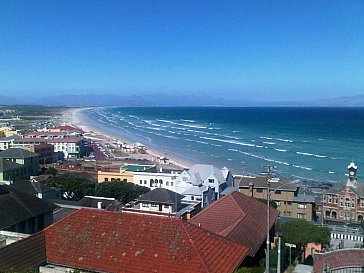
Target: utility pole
{"x": 269, "y": 174}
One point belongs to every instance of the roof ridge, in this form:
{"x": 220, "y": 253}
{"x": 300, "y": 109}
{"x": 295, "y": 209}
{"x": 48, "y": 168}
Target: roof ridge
{"x": 235, "y": 224}
{"x": 184, "y": 223}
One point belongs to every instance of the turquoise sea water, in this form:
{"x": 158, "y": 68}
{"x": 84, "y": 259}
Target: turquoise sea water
{"x": 310, "y": 143}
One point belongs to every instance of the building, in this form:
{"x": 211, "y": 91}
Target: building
{"x": 29, "y": 160}
{"x": 7, "y": 142}
{"x": 124, "y": 173}
{"x": 45, "y": 152}
{"x": 70, "y": 147}
{"x": 102, "y": 241}
{"x": 204, "y": 183}
{"x": 241, "y": 219}
{"x": 21, "y": 212}
{"x": 291, "y": 202}
{"x": 153, "y": 178}
{"x": 160, "y": 200}
{"x": 8, "y": 131}
{"x": 36, "y": 189}
{"x": 337, "y": 261}
{"x": 10, "y": 170}
{"x": 345, "y": 202}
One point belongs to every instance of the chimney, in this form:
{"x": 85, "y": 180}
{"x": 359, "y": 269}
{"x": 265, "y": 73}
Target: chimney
{"x": 161, "y": 170}
{"x": 99, "y": 205}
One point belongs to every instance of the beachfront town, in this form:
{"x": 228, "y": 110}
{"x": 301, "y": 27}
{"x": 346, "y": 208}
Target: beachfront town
{"x": 77, "y": 200}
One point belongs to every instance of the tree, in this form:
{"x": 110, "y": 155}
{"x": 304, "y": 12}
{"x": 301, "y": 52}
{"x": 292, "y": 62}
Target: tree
{"x": 122, "y": 191}
{"x": 301, "y": 232}
{"x": 74, "y": 186}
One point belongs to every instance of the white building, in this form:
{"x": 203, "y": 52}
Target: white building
{"x": 205, "y": 175}
{"x": 162, "y": 178}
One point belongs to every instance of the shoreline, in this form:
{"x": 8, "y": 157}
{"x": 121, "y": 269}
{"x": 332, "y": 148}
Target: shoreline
{"x": 79, "y": 119}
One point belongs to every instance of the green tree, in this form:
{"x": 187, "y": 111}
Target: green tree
{"x": 301, "y": 232}
{"x": 2, "y": 134}
{"x": 74, "y": 186}
{"x": 122, "y": 191}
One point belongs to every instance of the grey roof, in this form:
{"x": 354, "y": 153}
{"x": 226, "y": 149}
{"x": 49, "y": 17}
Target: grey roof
{"x": 359, "y": 189}
{"x": 261, "y": 182}
{"x": 161, "y": 195}
{"x": 16, "y": 206}
{"x": 304, "y": 198}
{"x": 194, "y": 190}
{"x": 338, "y": 187}
{"x": 7, "y": 165}
{"x": 92, "y": 202}
{"x": 200, "y": 172}
{"x": 16, "y": 153}
{"x": 31, "y": 188}
{"x": 9, "y": 138}
{"x": 60, "y": 213}
{"x": 229, "y": 190}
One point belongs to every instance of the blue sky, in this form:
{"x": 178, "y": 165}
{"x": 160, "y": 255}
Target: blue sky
{"x": 259, "y": 50}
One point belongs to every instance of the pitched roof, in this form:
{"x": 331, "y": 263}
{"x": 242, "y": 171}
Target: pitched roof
{"x": 106, "y": 241}
{"x": 161, "y": 195}
{"x": 16, "y": 206}
{"x": 16, "y": 153}
{"x": 239, "y": 218}
{"x": 106, "y": 203}
{"x": 7, "y": 165}
{"x": 199, "y": 172}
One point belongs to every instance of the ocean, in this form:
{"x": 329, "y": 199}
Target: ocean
{"x": 305, "y": 143}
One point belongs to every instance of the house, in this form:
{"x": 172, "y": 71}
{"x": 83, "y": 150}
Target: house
{"x": 291, "y": 202}
{"x": 102, "y": 241}
{"x": 36, "y": 189}
{"x": 9, "y": 131}
{"x": 10, "y": 170}
{"x": 196, "y": 182}
{"x": 345, "y": 202}
{"x": 21, "y": 212}
{"x": 110, "y": 204}
{"x": 29, "y": 160}
{"x": 241, "y": 219}
{"x": 160, "y": 200}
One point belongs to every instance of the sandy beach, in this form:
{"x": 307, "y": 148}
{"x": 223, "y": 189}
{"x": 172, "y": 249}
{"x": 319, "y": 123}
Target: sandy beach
{"x": 76, "y": 117}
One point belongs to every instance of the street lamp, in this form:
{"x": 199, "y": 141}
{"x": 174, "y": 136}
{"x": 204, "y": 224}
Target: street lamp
{"x": 269, "y": 174}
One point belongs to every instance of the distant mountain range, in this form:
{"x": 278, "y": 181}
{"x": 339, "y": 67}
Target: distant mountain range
{"x": 175, "y": 100}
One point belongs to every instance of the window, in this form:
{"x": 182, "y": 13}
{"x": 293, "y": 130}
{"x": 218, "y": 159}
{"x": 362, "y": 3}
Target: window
{"x": 161, "y": 181}
{"x": 362, "y": 203}
{"x": 341, "y": 204}
{"x": 106, "y": 179}
{"x": 259, "y": 190}
{"x": 145, "y": 182}
{"x": 278, "y": 192}
{"x": 146, "y": 205}
{"x": 301, "y": 206}
{"x": 278, "y": 203}
{"x": 167, "y": 183}
{"x": 171, "y": 183}
{"x": 289, "y": 203}
{"x": 352, "y": 205}
{"x": 141, "y": 182}
{"x": 151, "y": 183}
{"x": 211, "y": 181}
{"x": 330, "y": 199}
{"x": 153, "y": 205}
{"x": 192, "y": 198}
{"x": 166, "y": 206}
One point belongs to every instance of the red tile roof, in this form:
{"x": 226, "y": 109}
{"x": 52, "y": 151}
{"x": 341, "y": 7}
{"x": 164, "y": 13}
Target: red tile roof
{"x": 69, "y": 128}
{"x": 65, "y": 140}
{"x": 45, "y": 133}
{"x": 239, "y": 218}
{"x": 127, "y": 242}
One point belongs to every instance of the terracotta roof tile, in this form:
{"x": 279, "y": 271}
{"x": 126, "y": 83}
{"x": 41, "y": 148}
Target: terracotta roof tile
{"x": 245, "y": 222}
{"x": 128, "y": 242}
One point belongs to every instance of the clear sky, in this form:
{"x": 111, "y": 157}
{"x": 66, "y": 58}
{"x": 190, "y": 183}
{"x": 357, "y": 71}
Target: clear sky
{"x": 262, "y": 50}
